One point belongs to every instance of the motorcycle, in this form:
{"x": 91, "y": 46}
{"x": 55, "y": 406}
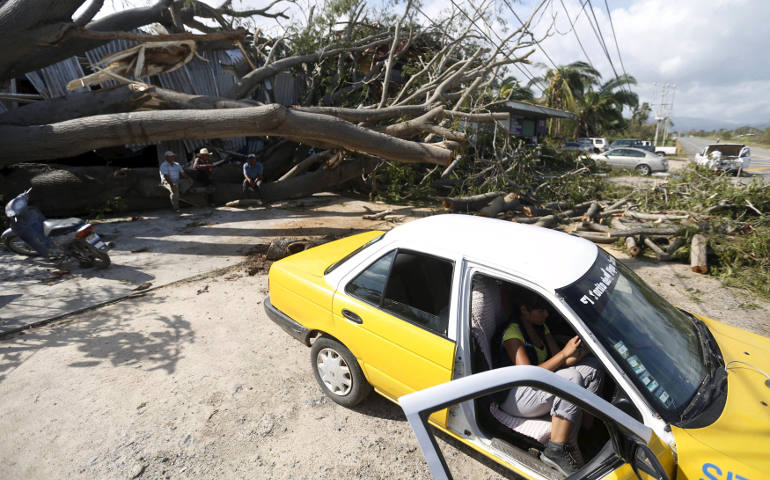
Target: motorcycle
{"x": 32, "y": 234}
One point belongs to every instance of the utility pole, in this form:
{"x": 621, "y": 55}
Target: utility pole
{"x": 665, "y": 107}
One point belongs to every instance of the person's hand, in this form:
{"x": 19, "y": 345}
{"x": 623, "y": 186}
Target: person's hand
{"x": 571, "y": 347}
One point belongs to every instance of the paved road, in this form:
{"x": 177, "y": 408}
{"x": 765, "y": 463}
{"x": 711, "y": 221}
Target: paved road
{"x": 760, "y": 157}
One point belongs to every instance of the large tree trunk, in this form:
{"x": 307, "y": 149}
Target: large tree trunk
{"x": 60, "y": 191}
{"x": 74, "y": 137}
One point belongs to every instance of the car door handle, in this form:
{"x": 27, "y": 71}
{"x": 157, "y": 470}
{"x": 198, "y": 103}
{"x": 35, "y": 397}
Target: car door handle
{"x": 353, "y": 317}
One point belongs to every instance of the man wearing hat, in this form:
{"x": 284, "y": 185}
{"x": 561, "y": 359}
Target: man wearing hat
{"x": 203, "y": 167}
{"x": 170, "y": 172}
{"x": 252, "y": 175}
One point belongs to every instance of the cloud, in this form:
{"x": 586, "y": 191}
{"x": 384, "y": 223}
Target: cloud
{"x": 714, "y": 51}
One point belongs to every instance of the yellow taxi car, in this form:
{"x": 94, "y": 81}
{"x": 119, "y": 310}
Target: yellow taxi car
{"x": 684, "y": 396}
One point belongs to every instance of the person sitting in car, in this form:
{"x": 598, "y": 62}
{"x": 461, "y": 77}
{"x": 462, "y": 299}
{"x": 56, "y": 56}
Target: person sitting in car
{"x": 528, "y": 341}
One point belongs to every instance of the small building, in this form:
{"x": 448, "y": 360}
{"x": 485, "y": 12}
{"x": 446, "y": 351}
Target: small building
{"x": 528, "y": 121}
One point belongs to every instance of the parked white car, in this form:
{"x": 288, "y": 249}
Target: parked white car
{"x": 727, "y": 157}
{"x": 600, "y": 144}
{"x": 633, "y": 158}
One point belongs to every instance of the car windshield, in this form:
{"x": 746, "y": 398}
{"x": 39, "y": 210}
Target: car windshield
{"x": 656, "y": 344}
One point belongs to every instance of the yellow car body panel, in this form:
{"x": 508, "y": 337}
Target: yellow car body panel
{"x": 397, "y": 357}
{"x": 737, "y": 444}
{"x": 299, "y": 290}
{"x": 297, "y": 285}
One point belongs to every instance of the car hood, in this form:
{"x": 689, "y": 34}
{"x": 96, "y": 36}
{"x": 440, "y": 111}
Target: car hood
{"x": 314, "y": 261}
{"x": 728, "y": 150}
{"x": 739, "y": 440}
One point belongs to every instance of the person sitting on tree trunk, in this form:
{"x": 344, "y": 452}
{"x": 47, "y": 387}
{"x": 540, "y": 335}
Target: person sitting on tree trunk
{"x": 170, "y": 171}
{"x": 203, "y": 167}
{"x": 252, "y": 175}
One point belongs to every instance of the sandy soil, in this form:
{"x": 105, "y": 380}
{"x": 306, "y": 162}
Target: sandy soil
{"x": 193, "y": 380}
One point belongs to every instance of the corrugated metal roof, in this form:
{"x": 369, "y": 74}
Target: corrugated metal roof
{"x": 198, "y": 77}
{"x": 50, "y": 82}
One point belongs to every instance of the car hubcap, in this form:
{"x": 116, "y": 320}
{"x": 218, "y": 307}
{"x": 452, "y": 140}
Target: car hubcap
{"x": 334, "y": 372}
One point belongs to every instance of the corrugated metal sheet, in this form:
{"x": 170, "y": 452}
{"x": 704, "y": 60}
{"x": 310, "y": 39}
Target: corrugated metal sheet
{"x": 51, "y": 81}
{"x": 198, "y": 77}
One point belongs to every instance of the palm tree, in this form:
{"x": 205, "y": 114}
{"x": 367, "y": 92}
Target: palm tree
{"x": 602, "y": 110}
{"x": 566, "y": 85}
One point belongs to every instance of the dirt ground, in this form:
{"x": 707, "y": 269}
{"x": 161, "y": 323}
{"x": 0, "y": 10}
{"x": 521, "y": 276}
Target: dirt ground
{"x": 193, "y": 380}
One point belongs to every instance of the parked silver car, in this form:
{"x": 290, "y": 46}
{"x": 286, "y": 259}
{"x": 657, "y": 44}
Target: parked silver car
{"x": 633, "y": 158}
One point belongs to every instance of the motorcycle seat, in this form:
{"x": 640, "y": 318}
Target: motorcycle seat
{"x": 61, "y": 226}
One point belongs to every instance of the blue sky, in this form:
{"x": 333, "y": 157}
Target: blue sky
{"x": 714, "y": 51}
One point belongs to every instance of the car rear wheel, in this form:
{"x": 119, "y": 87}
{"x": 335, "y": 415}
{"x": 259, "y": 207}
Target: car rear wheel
{"x": 643, "y": 169}
{"x": 338, "y": 373}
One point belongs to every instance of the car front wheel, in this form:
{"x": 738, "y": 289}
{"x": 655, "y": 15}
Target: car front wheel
{"x": 338, "y": 373}
{"x": 643, "y": 169}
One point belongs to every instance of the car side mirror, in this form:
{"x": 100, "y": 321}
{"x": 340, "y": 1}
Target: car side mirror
{"x": 643, "y": 460}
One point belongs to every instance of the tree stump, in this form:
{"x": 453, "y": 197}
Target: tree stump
{"x": 698, "y": 263}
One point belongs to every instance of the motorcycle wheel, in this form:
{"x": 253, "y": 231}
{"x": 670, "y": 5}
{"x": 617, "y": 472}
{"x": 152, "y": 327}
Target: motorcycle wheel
{"x": 16, "y": 244}
{"x": 89, "y": 256}
{"x": 99, "y": 259}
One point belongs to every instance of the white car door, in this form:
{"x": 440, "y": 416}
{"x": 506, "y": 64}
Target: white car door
{"x": 631, "y": 439}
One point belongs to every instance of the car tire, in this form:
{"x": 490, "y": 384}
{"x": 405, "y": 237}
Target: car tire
{"x": 643, "y": 169}
{"x": 337, "y": 372}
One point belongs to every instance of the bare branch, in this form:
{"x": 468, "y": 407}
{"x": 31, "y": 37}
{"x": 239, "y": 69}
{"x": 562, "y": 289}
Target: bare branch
{"x": 389, "y": 64}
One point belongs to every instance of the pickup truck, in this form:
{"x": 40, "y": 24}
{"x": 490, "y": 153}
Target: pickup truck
{"x": 660, "y": 150}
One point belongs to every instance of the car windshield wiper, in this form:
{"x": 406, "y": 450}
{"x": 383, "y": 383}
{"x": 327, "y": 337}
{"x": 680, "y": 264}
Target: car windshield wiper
{"x": 708, "y": 387}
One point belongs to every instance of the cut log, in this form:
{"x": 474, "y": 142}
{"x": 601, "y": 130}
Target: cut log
{"x": 595, "y": 227}
{"x": 561, "y": 205}
{"x": 511, "y": 202}
{"x": 656, "y": 248}
{"x": 654, "y": 216}
{"x": 592, "y": 213}
{"x": 548, "y": 221}
{"x": 469, "y": 204}
{"x": 537, "y": 212}
{"x": 674, "y": 245}
{"x": 594, "y": 237}
{"x": 631, "y": 247}
{"x": 664, "y": 231}
{"x": 698, "y": 262}
{"x": 493, "y": 208}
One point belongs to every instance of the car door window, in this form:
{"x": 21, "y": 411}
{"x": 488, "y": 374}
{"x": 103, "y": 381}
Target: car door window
{"x": 369, "y": 284}
{"x": 412, "y": 286}
{"x": 634, "y": 153}
{"x": 419, "y": 290}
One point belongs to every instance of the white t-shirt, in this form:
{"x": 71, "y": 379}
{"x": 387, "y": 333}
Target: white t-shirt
{"x": 172, "y": 170}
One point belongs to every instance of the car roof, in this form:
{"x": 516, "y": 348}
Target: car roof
{"x": 631, "y": 148}
{"x": 547, "y": 257}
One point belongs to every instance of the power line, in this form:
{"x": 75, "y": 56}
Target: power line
{"x": 533, "y": 35}
{"x": 617, "y": 47}
{"x": 572, "y": 25}
{"x": 601, "y": 38}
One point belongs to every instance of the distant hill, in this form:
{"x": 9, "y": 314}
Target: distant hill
{"x": 683, "y": 124}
